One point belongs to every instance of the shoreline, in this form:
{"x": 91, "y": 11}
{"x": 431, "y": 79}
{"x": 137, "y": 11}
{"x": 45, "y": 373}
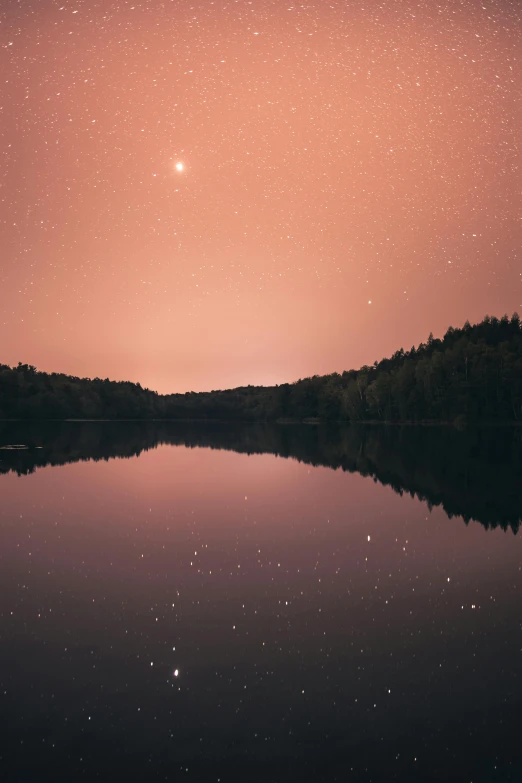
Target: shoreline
{"x": 281, "y": 422}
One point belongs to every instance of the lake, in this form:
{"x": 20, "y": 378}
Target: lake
{"x": 248, "y": 603}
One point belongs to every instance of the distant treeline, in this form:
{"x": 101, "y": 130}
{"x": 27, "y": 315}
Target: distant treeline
{"x": 472, "y": 374}
{"x": 474, "y": 473}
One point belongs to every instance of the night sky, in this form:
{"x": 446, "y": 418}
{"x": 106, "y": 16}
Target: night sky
{"x": 198, "y": 195}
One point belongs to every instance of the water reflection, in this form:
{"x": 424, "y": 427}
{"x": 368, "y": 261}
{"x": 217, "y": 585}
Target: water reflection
{"x": 475, "y": 474}
{"x": 197, "y": 614}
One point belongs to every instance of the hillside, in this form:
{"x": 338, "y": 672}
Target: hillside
{"x": 472, "y": 374}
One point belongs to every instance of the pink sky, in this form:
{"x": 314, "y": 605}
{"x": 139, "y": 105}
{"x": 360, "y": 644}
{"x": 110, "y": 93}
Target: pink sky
{"x": 350, "y": 182}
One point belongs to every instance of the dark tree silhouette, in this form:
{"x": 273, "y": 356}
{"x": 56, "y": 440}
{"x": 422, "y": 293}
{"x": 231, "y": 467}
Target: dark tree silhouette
{"x": 472, "y": 374}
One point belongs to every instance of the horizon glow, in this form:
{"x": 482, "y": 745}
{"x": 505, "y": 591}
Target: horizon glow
{"x": 350, "y": 182}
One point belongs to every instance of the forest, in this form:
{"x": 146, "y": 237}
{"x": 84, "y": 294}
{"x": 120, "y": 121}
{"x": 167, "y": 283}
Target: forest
{"x": 472, "y": 374}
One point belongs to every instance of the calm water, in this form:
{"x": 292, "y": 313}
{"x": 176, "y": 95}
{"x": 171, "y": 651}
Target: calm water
{"x": 206, "y": 610}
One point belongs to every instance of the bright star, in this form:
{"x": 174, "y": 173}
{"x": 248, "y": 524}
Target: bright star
{"x": 179, "y": 166}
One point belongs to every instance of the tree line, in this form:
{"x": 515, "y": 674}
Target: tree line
{"x": 472, "y": 374}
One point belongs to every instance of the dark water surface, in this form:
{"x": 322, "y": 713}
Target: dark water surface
{"x": 178, "y": 602}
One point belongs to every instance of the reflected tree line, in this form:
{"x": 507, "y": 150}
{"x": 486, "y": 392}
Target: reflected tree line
{"x": 473, "y": 374}
{"x": 475, "y": 474}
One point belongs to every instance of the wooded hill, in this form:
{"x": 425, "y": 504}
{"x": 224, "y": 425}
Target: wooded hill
{"x": 472, "y": 374}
